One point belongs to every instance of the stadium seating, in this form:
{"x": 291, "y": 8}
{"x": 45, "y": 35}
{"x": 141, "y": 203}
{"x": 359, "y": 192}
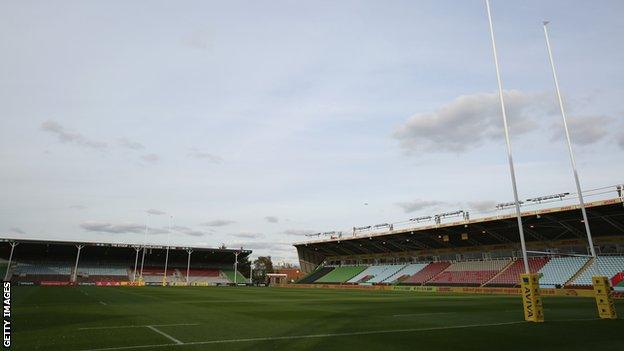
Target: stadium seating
{"x": 510, "y": 276}
{"x": 404, "y": 273}
{"x": 618, "y": 279}
{"x": 312, "y": 277}
{"x": 229, "y": 275}
{"x": 42, "y": 268}
{"x": 559, "y": 270}
{"x": 367, "y": 274}
{"x": 608, "y": 266}
{"x": 388, "y": 271}
{"x": 425, "y": 274}
{"x": 156, "y": 274}
{"x": 93, "y": 273}
{"x": 341, "y": 274}
{"x": 469, "y": 273}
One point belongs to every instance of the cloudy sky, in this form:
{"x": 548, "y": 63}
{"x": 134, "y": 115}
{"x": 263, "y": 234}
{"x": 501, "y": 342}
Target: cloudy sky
{"x": 252, "y": 123}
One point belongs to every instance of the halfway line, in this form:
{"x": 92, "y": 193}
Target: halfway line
{"x": 137, "y": 326}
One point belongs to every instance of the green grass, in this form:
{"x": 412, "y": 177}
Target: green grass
{"x": 50, "y": 318}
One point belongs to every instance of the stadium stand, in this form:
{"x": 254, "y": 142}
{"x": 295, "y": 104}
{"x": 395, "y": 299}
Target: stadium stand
{"x": 406, "y": 272}
{"x": 205, "y": 276}
{"x": 36, "y": 262}
{"x": 102, "y": 274}
{"x": 42, "y": 268}
{"x": 369, "y": 273}
{"x": 229, "y": 275}
{"x": 510, "y": 276}
{"x": 388, "y": 271}
{"x": 469, "y": 273}
{"x": 609, "y": 266}
{"x": 425, "y": 274}
{"x": 315, "y": 275}
{"x": 341, "y": 274}
{"x": 559, "y": 270}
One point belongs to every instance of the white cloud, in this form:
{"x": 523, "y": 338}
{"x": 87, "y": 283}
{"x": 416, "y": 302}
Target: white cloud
{"x": 218, "y": 223}
{"x": 130, "y": 144}
{"x": 271, "y": 219}
{"x": 584, "y": 130}
{"x": 417, "y": 205}
{"x": 66, "y": 136}
{"x": 156, "y": 212}
{"x": 201, "y": 155}
{"x": 248, "y": 235}
{"x": 17, "y": 230}
{"x": 119, "y": 228}
{"x": 152, "y": 158}
{"x": 482, "y": 205}
{"x": 198, "y": 39}
{"x": 188, "y": 231}
{"x": 299, "y": 232}
{"x": 470, "y": 120}
{"x": 78, "y": 207}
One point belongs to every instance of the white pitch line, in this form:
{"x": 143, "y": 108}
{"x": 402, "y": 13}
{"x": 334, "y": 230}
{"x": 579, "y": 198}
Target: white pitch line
{"x": 138, "y": 326}
{"x": 421, "y": 314}
{"x": 310, "y": 336}
{"x": 165, "y": 335}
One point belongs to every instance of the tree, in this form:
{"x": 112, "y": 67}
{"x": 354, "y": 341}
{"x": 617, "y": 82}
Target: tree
{"x": 262, "y": 266}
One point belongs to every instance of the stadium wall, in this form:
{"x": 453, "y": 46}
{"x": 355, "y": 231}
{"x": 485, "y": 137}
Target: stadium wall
{"x": 453, "y": 290}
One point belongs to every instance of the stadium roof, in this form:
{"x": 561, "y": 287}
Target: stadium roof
{"x": 102, "y": 244}
{"x": 606, "y": 219}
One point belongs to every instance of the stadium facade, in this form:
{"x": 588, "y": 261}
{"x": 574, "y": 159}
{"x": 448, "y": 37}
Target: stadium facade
{"x": 481, "y": 252}
{"x": 46, "y": 262}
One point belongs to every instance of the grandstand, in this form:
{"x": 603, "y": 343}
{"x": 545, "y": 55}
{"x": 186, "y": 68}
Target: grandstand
{"x": 483, "y": 252}
{"x": 42, "y": 262}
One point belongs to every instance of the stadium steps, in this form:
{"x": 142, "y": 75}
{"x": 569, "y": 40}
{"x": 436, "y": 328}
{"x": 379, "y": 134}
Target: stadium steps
{"x": 314, "y": 275}
{"x": 585, "y": 267}
{"x": 560, "y": 270}
{"x": 509, "y": 276}
{"x": 341, "y": 274}
{"x": 609, "y": 266}
{"x": 366, "y": 274}
{"x": 435, "y": 276}
{"x": 229, "y": 274}
{"x": 388, "y": 272}
{"x": 469, "y": 273}
{"x": 405, "y": 272}
{"x": 511, "y": 263}
{"x": 427, "y": 273}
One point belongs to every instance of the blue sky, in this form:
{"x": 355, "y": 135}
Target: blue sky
{"x": 252, "y": 123}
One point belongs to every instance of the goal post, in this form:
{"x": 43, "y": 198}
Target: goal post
{"x": 531, "y": 297}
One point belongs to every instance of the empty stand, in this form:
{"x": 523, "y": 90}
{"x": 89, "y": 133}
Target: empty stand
{"x": 469, "y": 273}
{"x": 425, "y": 274}
{"x": 511, "y": 275}
{"x": 102, "y": 274}
{"x": 341, "y": 274}
{"x": 406, "y": 272}
{"x": 387, "y": 272}
{"x": 608, "y": 266}
{"x": 367, "y": 274}
{"x": 558, "y": 270}
{"x": 312, "y": 277}
{"x": 229, "y": 274}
